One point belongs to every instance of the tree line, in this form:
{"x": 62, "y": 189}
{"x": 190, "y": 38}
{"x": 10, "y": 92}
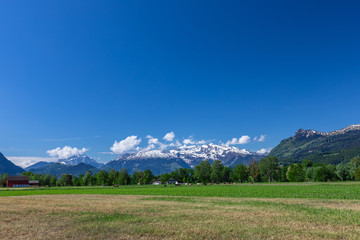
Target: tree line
{"x": 267, "y": 169}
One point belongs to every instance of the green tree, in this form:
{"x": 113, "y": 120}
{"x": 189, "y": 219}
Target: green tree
{"x": 269, "y": 168}
{"x": 65, "y": 180}
{"x": 226, "y": 174}
{"x": 124, "y": 177}
{"x": 353, "y": 166}
{"x": 309, "y": 173}
{"x": 75, "y": 181}
{"x": 322, "y": 174}
{"x": 137, "y": 177}
{"x": 357, "y": 175}
{"x": 148, "y": 177}
{"x": 254, "y": 171}
{"x": 295, "y": 173}
{"x": 112, "y": 177}
{"x": 102, "y": 178}
{"x": 307, "y": 163}
{"x": 342, "y": 172}
{"x": 53, "y": 181}
{"x": 283, "y": 172}
{"x": 29, "y": 174}
{"x": 240, "y": 173}
{"x": 81, "y": 180}
{"x": 217, "y": 171}
{"x": 3, "y": 180}
{"x": 88, "y": 178}
{"x": 203, "y": 172}
{"x": 182, "y": 174}
{"x": 44, "y": 180}
{"x": 165, "y": 177}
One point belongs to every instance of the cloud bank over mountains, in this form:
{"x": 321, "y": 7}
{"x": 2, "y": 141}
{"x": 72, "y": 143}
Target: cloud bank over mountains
{"x": 66, "y": 152}
{"x": 134, "y": 143}
{"x": 131, "y": 143}
{"x": 264, "y": 150}
{"x": 28, "y": 161}
{"x": 169, "y": 136}
{"x": 242, "y": 140}
{"x": 128, "y": 144}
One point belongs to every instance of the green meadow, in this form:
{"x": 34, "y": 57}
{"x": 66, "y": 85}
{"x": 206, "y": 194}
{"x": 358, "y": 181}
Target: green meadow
{"x": 337, "y": 190}
{"x": 240, "y": 211}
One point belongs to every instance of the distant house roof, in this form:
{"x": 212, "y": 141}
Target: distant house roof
{"x": 172, "y": 179}
{"x": 158, "y": 180}
{"x": 34, "y": 182}
{"x": 18, "y": 178}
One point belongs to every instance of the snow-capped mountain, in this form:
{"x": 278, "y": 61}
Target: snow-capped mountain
{"x": 161, "y": 161}
{"x": 76, "y": 159}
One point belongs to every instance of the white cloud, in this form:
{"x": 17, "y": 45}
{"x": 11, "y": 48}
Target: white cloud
{"x": 169, "y": 136}
{"x": 129, "y": 143}
{"x": 264, "y": 151}
{"x": 260, "y": 139}
{"x": 202, "y": 142}
{"x": 28, "y": 161}
{"x": 175, "y": 144}
{"x": 66, "y": 152}
{"x": 242, "y": 140}
{"x": 189, "y": 141}
{"x": 233, "y": 141}
{"x": 152, "y": 140}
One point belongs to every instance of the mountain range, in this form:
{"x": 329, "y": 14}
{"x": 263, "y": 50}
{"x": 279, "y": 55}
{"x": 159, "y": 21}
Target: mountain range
{"x": 76, "y": 159}
{"x": 327, "y": 147}
{"x": 76, "y": 165}
{"x": 7, "y": 166}
{"x": 162, "y": 161}
{"x": 58, "y": 169}
{"x": 158, "y": 161}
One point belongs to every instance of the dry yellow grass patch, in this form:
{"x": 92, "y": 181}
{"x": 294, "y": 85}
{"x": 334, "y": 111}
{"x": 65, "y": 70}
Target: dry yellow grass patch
{"x": 142, "y": 217}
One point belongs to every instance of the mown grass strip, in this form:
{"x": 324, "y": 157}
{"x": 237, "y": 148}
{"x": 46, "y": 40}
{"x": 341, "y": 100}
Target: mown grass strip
{"x": 307, "y": 212}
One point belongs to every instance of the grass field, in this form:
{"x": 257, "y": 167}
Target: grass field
{"x": 258, "y": 211}
{"x": 347, "y": 190}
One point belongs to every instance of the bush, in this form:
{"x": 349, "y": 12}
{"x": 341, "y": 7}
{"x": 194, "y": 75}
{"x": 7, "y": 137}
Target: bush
{"x": 295, "y": 173}
{"x": 357, "y": 175}
{"x": 322, "y": 174}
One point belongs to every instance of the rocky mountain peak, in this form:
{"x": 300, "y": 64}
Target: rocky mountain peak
{"x": 309, "y": 133}
{"x": 76, "y": 159}
{"x": 185, "y": 156}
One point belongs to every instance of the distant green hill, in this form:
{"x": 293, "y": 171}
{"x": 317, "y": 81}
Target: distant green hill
{"x": 7, "y": 166}
{"x": 58, "y": 169}
{"x": 37, "y": 165}
{"x": 325, "y": 147}
{"x": 156, "y": 165}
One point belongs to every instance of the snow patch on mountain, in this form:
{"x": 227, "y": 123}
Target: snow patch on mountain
{"x": 194, "y": 154}
{"x": 76, "y": 159}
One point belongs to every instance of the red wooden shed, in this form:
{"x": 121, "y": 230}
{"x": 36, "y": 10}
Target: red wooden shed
{"x": 17, "y": 181}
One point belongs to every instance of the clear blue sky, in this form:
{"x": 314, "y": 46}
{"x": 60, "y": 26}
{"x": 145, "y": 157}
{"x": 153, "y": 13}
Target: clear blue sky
{"x": 87, "y": 73}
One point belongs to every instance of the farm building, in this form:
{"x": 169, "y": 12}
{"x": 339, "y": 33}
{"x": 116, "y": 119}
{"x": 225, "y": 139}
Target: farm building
{"x": 17, "y": 181}
{"x": 157, "y": 182}
{"x": 33, "y": 183}
{"x": 172, "y": 180}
